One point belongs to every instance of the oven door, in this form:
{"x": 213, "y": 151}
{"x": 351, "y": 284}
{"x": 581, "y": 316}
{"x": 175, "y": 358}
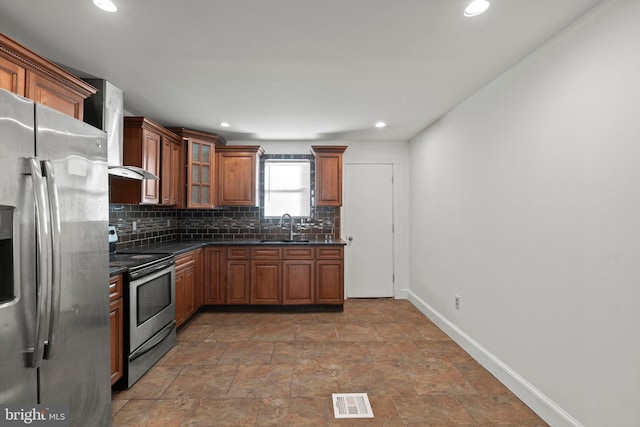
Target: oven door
{"x": 151, "y": 305}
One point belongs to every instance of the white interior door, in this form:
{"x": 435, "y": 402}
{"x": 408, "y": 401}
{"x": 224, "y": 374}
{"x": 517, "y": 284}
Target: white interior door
{"x": 368, "y": 230}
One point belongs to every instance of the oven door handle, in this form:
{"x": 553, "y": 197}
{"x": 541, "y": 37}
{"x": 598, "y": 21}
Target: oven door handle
{"x": 154, "y": 341}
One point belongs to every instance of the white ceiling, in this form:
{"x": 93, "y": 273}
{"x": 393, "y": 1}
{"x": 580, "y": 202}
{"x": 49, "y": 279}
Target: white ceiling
{"x": 290, "y": 69}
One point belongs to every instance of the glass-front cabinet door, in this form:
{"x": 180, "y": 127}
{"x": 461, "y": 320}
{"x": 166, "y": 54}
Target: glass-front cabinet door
{"x": 200, "y": 174}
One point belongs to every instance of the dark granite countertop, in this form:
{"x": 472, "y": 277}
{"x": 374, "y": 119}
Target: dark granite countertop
{"x": 114, "y": 271}
{"x": 181, "y": 246}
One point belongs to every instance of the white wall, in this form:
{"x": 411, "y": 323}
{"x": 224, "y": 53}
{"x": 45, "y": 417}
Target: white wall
{"x": 525, "y": 202}
{"x": 393, "y": 152}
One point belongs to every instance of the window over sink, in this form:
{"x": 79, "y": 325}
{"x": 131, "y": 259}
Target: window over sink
{"x": 287, "y": 187}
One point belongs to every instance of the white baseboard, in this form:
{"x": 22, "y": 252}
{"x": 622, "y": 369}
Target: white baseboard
{"x": 548, "y": 410}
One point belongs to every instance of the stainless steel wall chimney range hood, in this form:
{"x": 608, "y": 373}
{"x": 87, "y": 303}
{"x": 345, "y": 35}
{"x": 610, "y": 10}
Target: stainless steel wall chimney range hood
{"x": 105, "y": 110}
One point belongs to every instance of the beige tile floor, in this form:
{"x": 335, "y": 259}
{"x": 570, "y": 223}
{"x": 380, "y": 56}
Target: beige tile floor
{"x": 279, "y": 369}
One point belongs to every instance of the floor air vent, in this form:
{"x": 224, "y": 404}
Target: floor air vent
{"x": 351, "y": 405}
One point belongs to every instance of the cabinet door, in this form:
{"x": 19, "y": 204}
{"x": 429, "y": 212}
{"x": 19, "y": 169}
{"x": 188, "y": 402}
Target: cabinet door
{"x": 180, "y": 284}
{"x": 298, "y": 281}
{"x": 185, "y": 300}
{"x": 54, "y": 95}
{"x": 185, "y": 286}
{"x": 328, "y": 174}
{"x": 150, "y": 162}
{"x": 166, "y": 176}
{"x": 12, "y": 76}
{"x": 188, "y": 290}
{"x": 200, "y": 174}
{"x": 266, "y": 278}
{"x": 198, "y": 286}
{"x": 237, "y": 272}
{"x": 177, "y": 175}
{"x": 236, "y": 179}
{"x": 116, "y": 324}
{"x": 329, "y": 281}
{"x": 214, "y": 276}
{"x": 329, "y": 180}
{"x": 170, "y": 172}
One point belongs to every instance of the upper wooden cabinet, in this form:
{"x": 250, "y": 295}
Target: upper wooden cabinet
{"x": 12, "y": 76}
{"x": 24, "y": 72}
{"x": 197, "y": 189}
{"x": 145, "y": 144}
{"x": 328, "y": 174}
{"x": 238, "y": 174}
{"x": 170, "y": 171}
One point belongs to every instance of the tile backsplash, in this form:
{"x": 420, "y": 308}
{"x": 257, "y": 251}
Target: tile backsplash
{"x": 139, "y": 225}
{"x": 157, "y": 225}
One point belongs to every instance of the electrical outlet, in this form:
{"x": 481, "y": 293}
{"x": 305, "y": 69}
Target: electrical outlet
{"x": 457, "y": 302}
{"x": 134, "y": 226}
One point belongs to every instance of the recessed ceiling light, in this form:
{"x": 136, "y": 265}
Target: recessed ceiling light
{"x": 225, "y": 124}
{"x": 476, "y": 7}
{"x": 106, "y": 5}
{"x": 380, "y": 124}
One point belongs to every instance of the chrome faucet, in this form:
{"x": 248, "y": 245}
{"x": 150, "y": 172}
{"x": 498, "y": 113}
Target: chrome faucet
{"x": 290, "y": 224}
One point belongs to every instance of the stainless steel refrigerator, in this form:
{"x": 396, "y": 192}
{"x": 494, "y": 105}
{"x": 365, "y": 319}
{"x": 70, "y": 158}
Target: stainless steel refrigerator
{"x": 54, "y": 301}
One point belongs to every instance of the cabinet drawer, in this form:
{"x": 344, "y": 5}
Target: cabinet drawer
{"x": 298, "y": 253}
{"x": 266, "y": 253}
{"x": 238, "y": 253}
{"x": 115, "y": 287}
{"x": 331, "y": 252}
{"x": 185, "y": 259}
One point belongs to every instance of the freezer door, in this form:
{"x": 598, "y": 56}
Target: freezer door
{"x": 18, "y": 382}
{"x": 76, "y": 369}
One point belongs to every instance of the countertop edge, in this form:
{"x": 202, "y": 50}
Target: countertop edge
{"x": 178, "y": 247}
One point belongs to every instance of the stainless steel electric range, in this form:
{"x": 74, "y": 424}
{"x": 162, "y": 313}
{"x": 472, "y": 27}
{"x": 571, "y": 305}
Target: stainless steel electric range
{"x": 150, "y": 311}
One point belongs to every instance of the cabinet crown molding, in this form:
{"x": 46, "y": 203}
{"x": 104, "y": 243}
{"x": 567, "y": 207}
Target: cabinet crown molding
{"x": 147, "y": 123}
{"x": 34, "y": 62}
{"x": 197, "y": 134}
{"x": 329, "y": 148}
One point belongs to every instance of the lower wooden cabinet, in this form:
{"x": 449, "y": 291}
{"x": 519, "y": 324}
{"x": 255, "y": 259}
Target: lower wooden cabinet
{"x": 116, "y": 327}
{"x": 298, "y": 280}
{"x": 329, "y": 282}
{"x": 274, "y": 275}
{"x": 266, "y": 278}
{"x": 260, "y": 275}
{"x": 266, "y": 275}
{"x": 198, "y": 292}
{"x": 214, "y": 275}
{"x": 330, "y": 275}
{"x": 188, "y": 280}
{"x": 237, "y": 273}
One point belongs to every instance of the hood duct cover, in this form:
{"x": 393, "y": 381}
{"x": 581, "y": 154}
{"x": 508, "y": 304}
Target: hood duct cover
{"x": 105, "y": 110}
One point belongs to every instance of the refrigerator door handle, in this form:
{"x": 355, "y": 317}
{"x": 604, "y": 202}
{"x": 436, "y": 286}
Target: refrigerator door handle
{"x": 43, "y": 276}
{"x": 56, "y": 258}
